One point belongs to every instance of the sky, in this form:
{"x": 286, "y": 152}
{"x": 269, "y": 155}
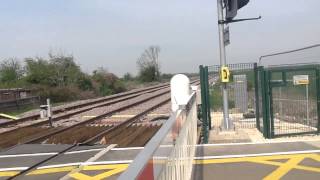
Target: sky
{"x": 114, "y": 33}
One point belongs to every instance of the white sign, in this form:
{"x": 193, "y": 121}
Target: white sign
{"x": 300, "y": 80}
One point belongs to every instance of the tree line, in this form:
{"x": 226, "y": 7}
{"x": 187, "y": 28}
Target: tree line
{"x": 60, "y": 78}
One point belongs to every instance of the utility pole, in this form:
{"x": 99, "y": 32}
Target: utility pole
{"x": 231, "y": 9}
{"x": 223, "y": 62}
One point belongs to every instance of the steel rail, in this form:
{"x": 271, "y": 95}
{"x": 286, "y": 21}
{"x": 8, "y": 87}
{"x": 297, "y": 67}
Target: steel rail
{"x": 90, "y": 140}
{"x": 47, "y": 135}
{"x": 63, "y": 116}
{"x": 72, "y": 107}
{"x": 129, "y": 122}
{"x": 52, "y": 133}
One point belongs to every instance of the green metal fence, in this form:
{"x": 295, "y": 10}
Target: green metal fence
{"x": 269, "y": 99}
{"x": 294, "y": 100}
{"x": 205, "y": 103}
{"x": 242, "y": 98}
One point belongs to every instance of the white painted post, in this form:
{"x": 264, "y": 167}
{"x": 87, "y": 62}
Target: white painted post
{"x": 49, "y": 113}
{"x": 180, "y": 91}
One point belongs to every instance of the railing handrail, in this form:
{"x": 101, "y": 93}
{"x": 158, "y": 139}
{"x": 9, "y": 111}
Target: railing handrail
{"x": 142, "y": 159}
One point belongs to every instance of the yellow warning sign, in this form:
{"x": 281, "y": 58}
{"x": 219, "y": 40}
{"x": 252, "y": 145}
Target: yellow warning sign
{"x": 301, "y": 80}
{"x": 225, "y": 74}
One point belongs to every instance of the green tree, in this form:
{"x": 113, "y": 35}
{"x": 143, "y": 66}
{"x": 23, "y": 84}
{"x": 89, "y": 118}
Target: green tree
{"x": 39, "y": 71}
{"x": 10, "y": 71}
{"x": 128, "y": 77}
{"x": 108, "y": 83}
{"x": 66, "y": 71}
{"x": 148, "y": 64}
{"x": 84, "y": 82}
{"x": 59, "y": 70}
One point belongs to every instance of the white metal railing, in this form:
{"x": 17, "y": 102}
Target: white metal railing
{"x": 169, "y": 154}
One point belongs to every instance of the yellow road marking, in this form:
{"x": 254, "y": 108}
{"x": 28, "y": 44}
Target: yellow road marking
{"x": 258, "y": 158}
{"x": 284, "y": 168}
{"x": 8, "y": 116}
{"x": 293, "y": 161}
{"x": 114, "y": 169}
{"x": 52, "y": 170}
{"x": 8, "y": 173}
{"x": 103, "y": 167}
{"x": 300, "y": 167}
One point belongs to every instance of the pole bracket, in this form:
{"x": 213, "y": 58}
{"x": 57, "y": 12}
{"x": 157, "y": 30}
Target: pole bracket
{"x": 237, "y": 20}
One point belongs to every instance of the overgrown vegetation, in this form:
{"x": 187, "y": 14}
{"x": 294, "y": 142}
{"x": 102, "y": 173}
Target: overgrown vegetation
{"x": 61, "y": 79}
{"x": 58, "y": 77}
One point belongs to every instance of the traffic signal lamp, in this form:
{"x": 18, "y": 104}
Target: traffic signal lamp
{"x": 232, "y": 7}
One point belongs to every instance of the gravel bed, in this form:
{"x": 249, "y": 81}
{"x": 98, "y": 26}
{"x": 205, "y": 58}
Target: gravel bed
{"x": 101, "y": 110}
{"x": 78, "y": 102}
{"x": 145, "y": 120}
{"x": 79, "y": 117}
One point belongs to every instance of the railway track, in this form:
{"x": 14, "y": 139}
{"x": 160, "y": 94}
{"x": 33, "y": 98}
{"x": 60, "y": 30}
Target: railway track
{"x": 125, "y": 133}
{"x": 63, "y": 113}
{"x": 78, "y": 131}
{"x": 41, "y": 130}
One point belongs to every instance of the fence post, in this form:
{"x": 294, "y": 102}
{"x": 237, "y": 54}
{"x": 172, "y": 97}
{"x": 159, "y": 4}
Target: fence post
{"x": 265, "y": 103}
{"x": 206, "y": 76}
{"x": 271, "y": 115}
{"x": 318, "y": 96}
{"x": 203, "y": 106}
{"x": 256, "y": 88}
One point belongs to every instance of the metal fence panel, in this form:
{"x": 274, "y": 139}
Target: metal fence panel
{"x": 293, "y": 101}
{"x": 169, "y": 154}
{"x": 241, "y": 95}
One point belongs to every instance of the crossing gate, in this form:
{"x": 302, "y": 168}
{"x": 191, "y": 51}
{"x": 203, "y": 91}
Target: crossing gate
{"x": 278, "y": 101}
{"x": 291, "y": 101}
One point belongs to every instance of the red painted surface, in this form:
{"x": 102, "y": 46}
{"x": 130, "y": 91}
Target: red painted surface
{"x": 147, "y": 173}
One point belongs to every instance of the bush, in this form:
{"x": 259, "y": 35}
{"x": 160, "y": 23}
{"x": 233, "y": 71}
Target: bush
{"x": 84, "y": 83}
{"x": 128, "y": 77}
{"x": 63, "y": 94}
{"x": 10, "y": 71}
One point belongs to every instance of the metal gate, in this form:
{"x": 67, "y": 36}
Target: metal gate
{"x": 278, "y": 101}
{"x": 293, "y": 94}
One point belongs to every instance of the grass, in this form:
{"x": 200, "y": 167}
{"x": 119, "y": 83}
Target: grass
{"x": 21, "y": 110}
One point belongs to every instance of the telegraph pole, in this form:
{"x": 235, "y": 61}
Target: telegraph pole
{"x": 223, "y": 62}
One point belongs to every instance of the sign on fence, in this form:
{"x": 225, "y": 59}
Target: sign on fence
{"x": 300, "y": 80}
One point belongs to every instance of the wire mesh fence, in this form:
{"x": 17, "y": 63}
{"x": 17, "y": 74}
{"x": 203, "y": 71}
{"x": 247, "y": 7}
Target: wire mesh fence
{"x": 278, "y": 100}
{"x": 294, "y": 104}
{"x": 241, "y": 95}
